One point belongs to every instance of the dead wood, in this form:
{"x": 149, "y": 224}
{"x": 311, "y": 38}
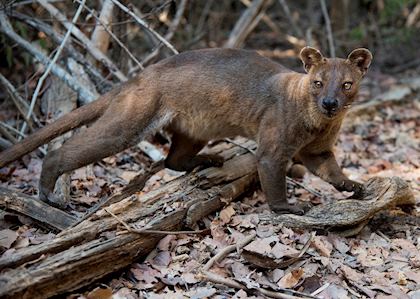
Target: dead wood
{"x": 34, "y": 208}
{"x": 246, "y": 23}
{"x": 94, "y": 249}
{"x": 348, "y": 217}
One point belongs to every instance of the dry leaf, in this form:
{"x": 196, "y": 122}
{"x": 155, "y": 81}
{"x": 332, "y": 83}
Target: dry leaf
{"x": 102, "y": 292}
{"x": 7, "y": 237}
{"x": 291, "y": 279}
{"x": 226, "y": 214}
{"x": 321, "y": 244}
{"x": 351, "y": 274}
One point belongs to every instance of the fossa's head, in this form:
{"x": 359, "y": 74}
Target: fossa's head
{"x": 334, "y": 82}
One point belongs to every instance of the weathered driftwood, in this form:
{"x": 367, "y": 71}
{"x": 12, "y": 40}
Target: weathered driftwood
{"x": 349, "y": 216}
{"x": 93, "y": 249}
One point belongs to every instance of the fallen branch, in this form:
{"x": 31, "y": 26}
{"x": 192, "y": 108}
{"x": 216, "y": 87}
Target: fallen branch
{"x": 101, "y": 33}
{"x": 6, "y": 134}
{"x": 34, "y": 208}
{"x": 348, "y": 217}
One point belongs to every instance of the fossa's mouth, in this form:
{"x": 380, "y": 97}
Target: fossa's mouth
{"x": 330, "y": 114}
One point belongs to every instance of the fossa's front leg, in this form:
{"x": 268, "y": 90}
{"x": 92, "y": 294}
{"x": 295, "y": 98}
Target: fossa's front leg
{"x": 325, "y": 166}
{"x": 273, "y": 156}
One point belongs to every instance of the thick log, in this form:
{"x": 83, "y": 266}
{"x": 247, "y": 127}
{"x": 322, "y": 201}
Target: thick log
{"x": 93, "y": 248}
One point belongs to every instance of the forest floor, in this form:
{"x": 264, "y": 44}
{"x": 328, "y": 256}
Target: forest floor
{"x": 383, "y": 261}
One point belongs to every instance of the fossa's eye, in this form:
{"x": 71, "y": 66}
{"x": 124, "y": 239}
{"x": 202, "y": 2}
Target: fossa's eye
{"x": 347, "y": 85}
{"x": 318, "y": 84}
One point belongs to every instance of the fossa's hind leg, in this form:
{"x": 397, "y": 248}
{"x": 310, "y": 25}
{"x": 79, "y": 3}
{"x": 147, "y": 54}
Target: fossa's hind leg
{"x": 107, "y": 136}
{"x": 183, "y": 154}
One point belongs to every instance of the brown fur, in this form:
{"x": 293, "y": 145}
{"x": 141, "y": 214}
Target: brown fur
{"x": 210, "y": 94}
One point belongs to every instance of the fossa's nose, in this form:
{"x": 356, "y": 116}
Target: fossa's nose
{"x": 329, "y": 104}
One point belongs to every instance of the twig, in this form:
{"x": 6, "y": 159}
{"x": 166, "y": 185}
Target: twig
{"x": 151, "y": 231}
{"x": 289, "y": 16}
{"x": 171, "y": 31}
{"x": 328, "y": 25}
{"x": 8, "y": 136}
{"x": 307, "y": 188}
{"x": 6, "y": 27}
{"x": 93, "y": 50}
{"x": 12, "y": 129}
{"x": 228, "y": 249}
{"x": 51, "y": 63}
{"x": 17, "y": 100}
{"x": 383, "y": 236}
{"x": 119, "y": 42}
{"x": 307, "y": 245}
{"x": 201, "y": 20}
{"x": 145, "y": 25}
{"x": 240, "y": 145}
{"x": 319, "y": 290}
{"x": 218, "y": 279}
{"x": 104, "y": 84}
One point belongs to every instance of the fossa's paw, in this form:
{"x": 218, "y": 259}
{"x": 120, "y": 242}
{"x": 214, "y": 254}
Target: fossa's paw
{"x": 286, "y": 208}
{"x": 351, "y": 186}
{"x": 52, "y": 200}
{"x": 205, "y": 161}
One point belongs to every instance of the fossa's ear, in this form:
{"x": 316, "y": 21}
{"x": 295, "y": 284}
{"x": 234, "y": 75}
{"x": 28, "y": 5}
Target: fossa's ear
{"x": 361, "y": 58}
{"x": 310, "y": 57}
